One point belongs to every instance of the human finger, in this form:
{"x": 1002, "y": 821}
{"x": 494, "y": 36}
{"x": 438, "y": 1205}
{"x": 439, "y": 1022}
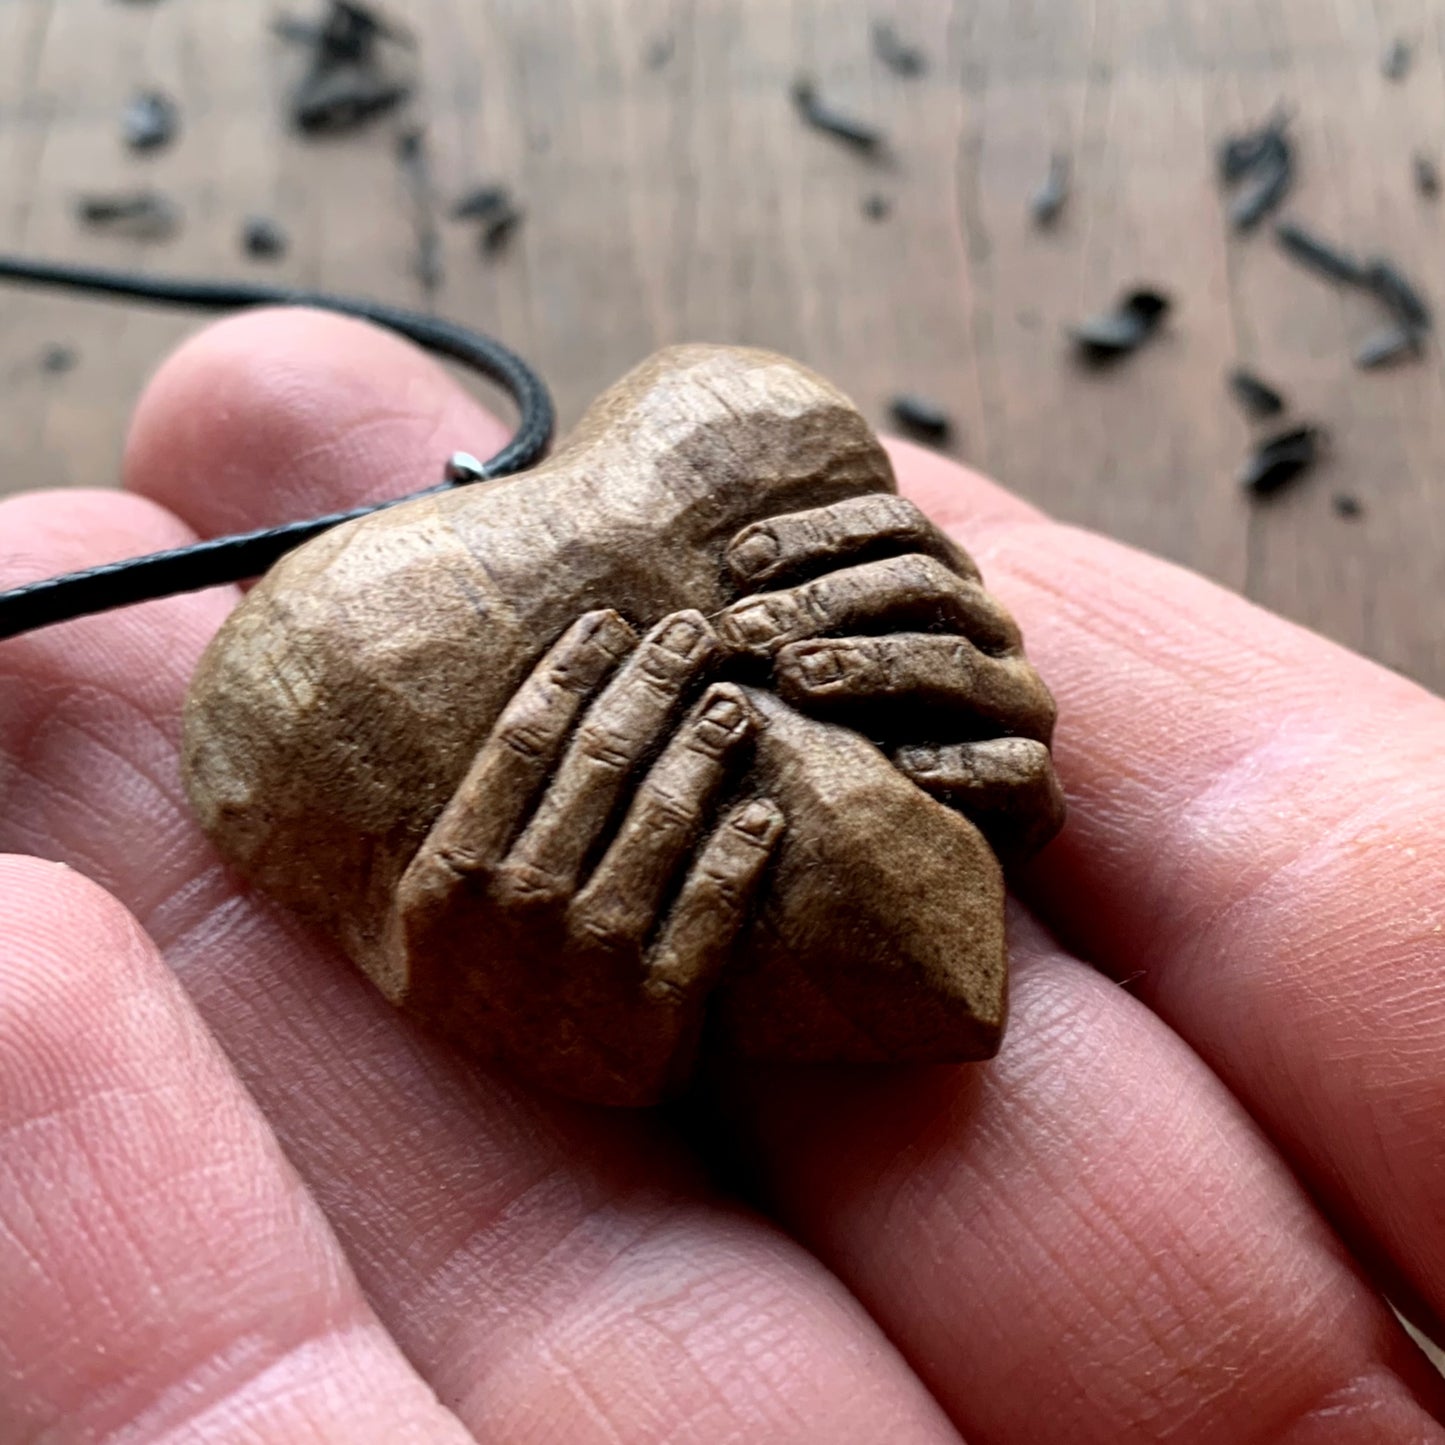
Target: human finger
{"x": 911, "y": 682}
{"x": 1092, "y": 1218}
{"x": 149, "y": 1222}
{"x": 353, "y": 415}
{"x": 527, "y": 1256}
{"x": 1255, "y": 814}
{"x": 904, "y": 589}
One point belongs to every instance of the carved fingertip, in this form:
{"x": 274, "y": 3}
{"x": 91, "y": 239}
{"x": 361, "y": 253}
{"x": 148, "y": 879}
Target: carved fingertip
{"x": 752, "y": 626}
{"x": 609, "y": 629}
{"x": 753, "y": 551}
{"x": 761, "y": 820}
{"x": 685, "y": 634}
{"x": 919, "y": 761}
{"x": 725, "y": 706}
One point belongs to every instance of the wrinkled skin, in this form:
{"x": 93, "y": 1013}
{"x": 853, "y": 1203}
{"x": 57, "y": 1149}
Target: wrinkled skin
{"x": 241, "y": 1198}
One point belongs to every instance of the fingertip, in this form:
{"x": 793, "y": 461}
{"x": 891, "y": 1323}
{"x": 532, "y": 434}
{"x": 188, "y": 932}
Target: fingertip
{"x": 957, "y": 498}
{"x": 285, "y": 412}
{"x": 760, "y": 820}
{"x": 69, "y": 947}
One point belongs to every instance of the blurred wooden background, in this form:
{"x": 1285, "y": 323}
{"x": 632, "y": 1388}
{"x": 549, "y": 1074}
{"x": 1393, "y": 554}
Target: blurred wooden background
{"x": 671, "y": 193}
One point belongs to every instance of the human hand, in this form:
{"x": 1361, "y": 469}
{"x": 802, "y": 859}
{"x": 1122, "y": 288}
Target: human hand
{"x": 242, "y": 1196}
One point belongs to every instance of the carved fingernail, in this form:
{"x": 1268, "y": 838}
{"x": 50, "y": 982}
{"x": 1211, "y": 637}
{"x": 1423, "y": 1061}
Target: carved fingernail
{"x": 725, "y": 710}
{"x": 821, "y": 666}
{"x": 683, "y": 635}
{"x": 917, "y": 759}
{"x": 758, "y": 819}
{"x": 755, "y": 552}
{"x": 756, "y": 625}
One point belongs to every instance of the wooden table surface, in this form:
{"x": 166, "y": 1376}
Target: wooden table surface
{"x": 672, "y": 194}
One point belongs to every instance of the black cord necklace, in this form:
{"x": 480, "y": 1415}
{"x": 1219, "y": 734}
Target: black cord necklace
{"x": 247, "y": 554}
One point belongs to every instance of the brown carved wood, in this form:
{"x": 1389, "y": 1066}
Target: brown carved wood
{"x": 696, "y": 737}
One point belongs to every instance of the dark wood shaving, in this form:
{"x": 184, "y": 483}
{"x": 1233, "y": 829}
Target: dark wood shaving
{"x": 877, "y": 207}
{"x": 1052, "y": 195}
{"x": 659, "y": 52}
{"x": 899, "y": 57}
{"x": 1384, "y": 348}
{"x": 481, "y": 203}
{"x": 1381, "y": 277}
{"x": 151, "y": 121}
{"x": 353, "y": 73}
{"x": 1404, "y": 302}
{"x": 1396, "y": 61}
{"x": 1237, "y": 155}
{"x": 348, "y": 34}
{"x": 1319, "y": 255}
{"x": 1427, "y": 175}
{"x": 500, "y": 228}
{"x": 1260, "y": 163}
{"x": 1258, "y": 398}
{"x": 58, "y": 358}
{"x": 1346, "y": 505}
{"x": 138, "y": 215}
{"x": 1114, "y": 334}
{"x": 263, "y": 239}
{"x": 1281, "y": 460}
{"x": 920, "y": 418}
{"x": 859, "y": 134}
{"x": 1262, "y": 191}
{"x": 414, "y": 159}
{"x": 335, "y": 100}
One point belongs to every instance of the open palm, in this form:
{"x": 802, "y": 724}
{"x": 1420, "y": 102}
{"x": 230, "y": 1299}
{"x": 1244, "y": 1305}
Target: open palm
{"x": 241, "y": 1199}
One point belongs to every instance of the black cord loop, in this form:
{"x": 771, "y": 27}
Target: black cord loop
{"x": 247, "y": 554}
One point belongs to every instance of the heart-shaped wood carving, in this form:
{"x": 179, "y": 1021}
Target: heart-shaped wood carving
{"x": 561, "y": 760}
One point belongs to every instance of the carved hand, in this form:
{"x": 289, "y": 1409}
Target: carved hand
{"x": 529, "y": 832}
{"x": 949, "y": 691}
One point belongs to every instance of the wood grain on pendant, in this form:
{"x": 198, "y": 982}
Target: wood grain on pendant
{"x": 697, "y": 737}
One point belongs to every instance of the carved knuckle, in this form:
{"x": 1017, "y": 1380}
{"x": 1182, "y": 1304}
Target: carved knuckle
{"x": 528, "y": 737}
{"x": 607, "y": 747}
{"x": 518, "y": 883}
{"x": 605, "y": 640}
{"x": 828, "y": 598}
{"x": 890, "y": 518}
{"x": 760, "y": 624}
{"x": 664, "y": 812}
{"x": 909, "y": 514}
{"x": 828, "y": 666}
{"x": 1022, "y": 759}
{"x": 600, "y": 927}
{"x": 929, "y": 575}
{"x": 721, "y": 887}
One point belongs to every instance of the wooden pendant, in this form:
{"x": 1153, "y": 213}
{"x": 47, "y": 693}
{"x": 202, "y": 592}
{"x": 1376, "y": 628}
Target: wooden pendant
{"x": 696, "y": 738}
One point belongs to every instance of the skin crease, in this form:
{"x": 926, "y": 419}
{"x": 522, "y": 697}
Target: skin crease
{"x": 239, "y": 1199}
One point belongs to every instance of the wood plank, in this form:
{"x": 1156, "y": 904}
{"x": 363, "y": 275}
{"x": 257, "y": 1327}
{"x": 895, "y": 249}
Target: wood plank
{"x": 683, "y": 200}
